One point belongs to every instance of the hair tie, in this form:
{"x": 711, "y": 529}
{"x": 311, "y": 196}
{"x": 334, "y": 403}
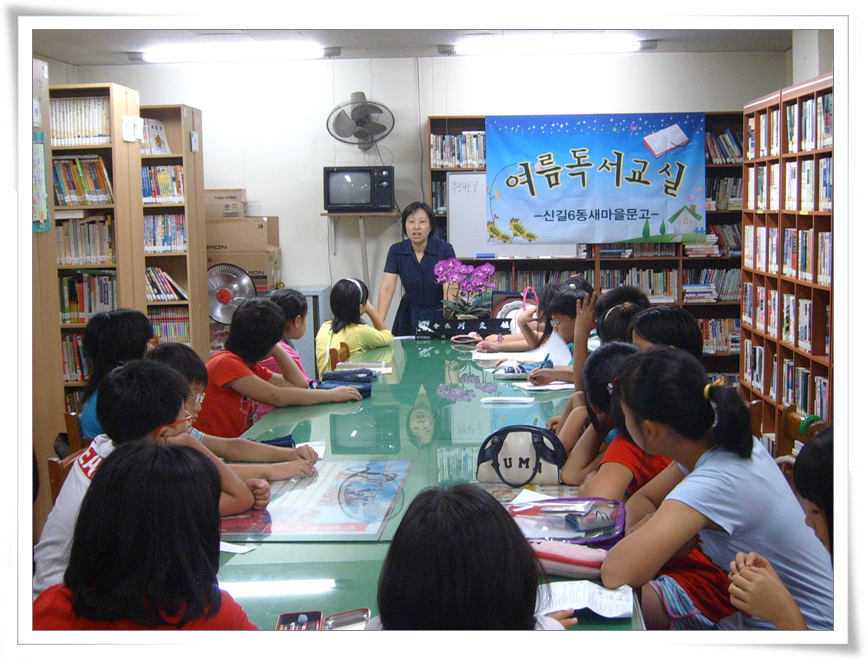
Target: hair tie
{"x": 707, "y": 390}
{"x": 572, "y": 286}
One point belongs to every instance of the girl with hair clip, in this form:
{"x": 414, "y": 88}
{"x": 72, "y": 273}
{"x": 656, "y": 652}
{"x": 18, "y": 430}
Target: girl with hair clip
{"x": 690, "y": 593}
{"x": 110, "y": 340}
{"x": 439, "y": 573}
{"x": 145, "y": 551}
{"x": 350, "y": 301}
{"x": 755, "y": 586}
{"x": 722, "y": 484}
{"x": 614, "y": 311}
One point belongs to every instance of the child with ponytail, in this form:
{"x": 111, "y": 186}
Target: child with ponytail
{"x": 722, "y": 484}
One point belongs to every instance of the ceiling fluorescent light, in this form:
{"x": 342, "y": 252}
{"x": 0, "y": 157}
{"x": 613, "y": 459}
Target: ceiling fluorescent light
{"x": 557, "y": 44}
{"x": 234, "y": 52}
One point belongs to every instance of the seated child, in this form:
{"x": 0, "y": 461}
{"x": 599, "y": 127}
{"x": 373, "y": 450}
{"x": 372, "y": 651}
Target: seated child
{"x": 236, "y": 383}
{"x": 349, "y": 301}
{"x": 259, "y": 460}
{"x": 295, "y": 308}
{"x": 110, "y": 339}
{"x": 145, "y": 551}
{"x": 439, "y": 573}
{"x": 142, "y": 401}
{"x": 755, "y": 587}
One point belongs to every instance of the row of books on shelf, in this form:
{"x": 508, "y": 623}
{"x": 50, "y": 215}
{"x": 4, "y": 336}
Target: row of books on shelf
{"x": 80, "y": 121}
{"x": 626, "y": 250}
{"x": 162, "y": 184}
{"x": 725, "y": 378}
{"x": 164, "y": 233}
{"x": 726, "y": 148}
{"x": 83, "y": 240}
{"x": 722, "y": 240}
{"x": 784, "y": 316}
{"x": 811, "y": 396}
{"x": 81, "y": 180}
{"x": 764, "y": 186}
{"x": 75, "y": 365}
{"x": 466, "y": 150}
{"x": 660, "y": 285}
{"x": 74, "y": 400}
{"x": 86, "y": 293}
{"x": 439, "y": 197}
{"x": 806, "y": 254}
{"x": 154, "y": 141}
{"x": 161, "y": 287}
{"x": 711, "y": 284}
{"x": 171, "y": 324}
{"x": 720, "y": 335}
{"x": 724, "y": 193}
{"x": 808, "y": 126}
{"x": 537, "y": 279}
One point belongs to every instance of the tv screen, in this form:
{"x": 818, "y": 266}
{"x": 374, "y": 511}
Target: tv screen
{"x": 350, "y": 188}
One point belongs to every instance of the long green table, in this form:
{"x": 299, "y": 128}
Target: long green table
{"x": 422, "y": 426}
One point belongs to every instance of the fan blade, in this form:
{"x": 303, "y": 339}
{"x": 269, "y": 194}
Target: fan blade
{"x": 343, "y": 124}
{"x": 364, "y": 111}
{"x": 374, "y": 129}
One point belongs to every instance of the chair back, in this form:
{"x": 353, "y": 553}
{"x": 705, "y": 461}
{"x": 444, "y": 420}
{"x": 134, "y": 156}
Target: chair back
{"x": 794, "y": 426}
{"x": 58, "y": 469}
{"x": 73, "y": 431}
{"x": 336, "y": 356}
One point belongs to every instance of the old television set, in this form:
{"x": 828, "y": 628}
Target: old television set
{"x": 361, "y": 189}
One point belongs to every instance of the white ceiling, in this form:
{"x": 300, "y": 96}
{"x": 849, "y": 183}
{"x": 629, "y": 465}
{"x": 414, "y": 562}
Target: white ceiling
{"x": 112, "y": 46}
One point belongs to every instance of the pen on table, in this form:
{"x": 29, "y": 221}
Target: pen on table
{"x": 544, "y": 361}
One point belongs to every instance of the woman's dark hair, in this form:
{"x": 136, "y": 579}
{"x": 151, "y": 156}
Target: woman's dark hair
{"x": 347, "y": 296}
{"x": 139, "y": 397}
{"x": 561, "y": 298}
{"x": 458, "y": 561}
{"x": 291, "y": 301}
{"x": 667, "y": 385}
{"x": 414, "y": 206}
{"x": 599, "y": 371}
{"x": 183, "y": 359}
{"x": 670, "y": 326}
{"x": 813, "y": 475}
{"x": 256, "y": 326}
{"x": 146, "y": 542}
{"x": 614, "y": 311}
{"x": 112, "y": 338}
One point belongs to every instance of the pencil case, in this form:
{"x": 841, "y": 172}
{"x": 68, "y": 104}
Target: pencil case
{"x": 366, "y": 389}
{"x": 350, "y": 375}
{"x": 592, "y": 521}
{"x": 569, "y": 559}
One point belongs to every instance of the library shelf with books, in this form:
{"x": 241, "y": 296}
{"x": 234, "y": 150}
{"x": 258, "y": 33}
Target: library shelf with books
{"x": 172, "y": 179}
{"x": 667, "y": 272}
{"x": 787, "y": 254}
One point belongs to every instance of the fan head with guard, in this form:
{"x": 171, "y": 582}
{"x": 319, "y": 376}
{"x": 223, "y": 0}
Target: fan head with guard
{"x": 228, "y": 286}
{"x": 360, "y": 122}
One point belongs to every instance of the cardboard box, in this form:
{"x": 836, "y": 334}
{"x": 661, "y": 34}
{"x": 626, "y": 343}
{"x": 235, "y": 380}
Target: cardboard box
{"x": 225, "y": 203}
{"x": 242, "y": 234}
{"x": 263, "y": 266}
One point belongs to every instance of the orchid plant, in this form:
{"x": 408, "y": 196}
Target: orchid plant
{"x": 471, "y": 283}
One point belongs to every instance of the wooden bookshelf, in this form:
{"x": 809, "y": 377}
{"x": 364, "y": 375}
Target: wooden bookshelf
{"x": 174, "y": 230}
{"x": 787, "y": 235}
{"x": 659, "y": 269}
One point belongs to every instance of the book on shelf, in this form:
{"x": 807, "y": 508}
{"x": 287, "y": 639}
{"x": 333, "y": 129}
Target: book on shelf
{"x": 825, "y": 257}
{"x": 81, "y": 180}
{"x": 825, "y": 121}
{"x": 787, "y": 381}
{"x": 76, "y": 367}
{"x": 750, "y": 138}
{"x": 758, "y": 369}
{"x": 761, "y": 248}
{"x": 721, "y": 190}
{"x": 749, "y": 246}
{"x": 761, "y": 308}
{"x": 171, "y": 324}
{"x": 661, "y": 286}
{"x": 774, "y": 371}
{"x": 748, "y": 354}
{"x": 807, "y": 185}
{"x": 772, "y": 312}
{"x": 827, "y": 334}
{"x": 724, "y": 148}
{"x": 763, "y": 135}
{"x": 789, "y": 252}
{"x": 802, "y": 390}
{"x": 80, "y": 121}
{"x": 775, "y": 131}
{"x": 804, "y": 324}
{"x": 708, "y": 248}
{"x": 74, "y": 400}
{"x": 41, "y": 215}
{"x": 822, "y": 397}
{"x": 464, "y": 151}
{"x": 791, "y": 187}
{"x": 807, "y": 125}
{"x": 773, "y": 250}
{"x": 748, "y": 303}
{"x": 711, "y": 284}
{"x": 792, "y": 124}
{"x": 154, "y": 142}
{"x": 751, "y": 190}
{"x": 729, "y": 238}
{"x": 160, "y": 287}
{"x": 83, "y": 239}
{"x": 164, "y": 233}
{"x": 774, "y": 185}
{"x": 763, "y": 183}
{"x": 825, "y": 184}
{"x": 720, "y": 335}
{"x": 86, "y": 293}
{"x": 728, "y": 379}
{"x": 805, "y": 255}
{"x": 162, "y": 184}
{"x": 789, "y": 318}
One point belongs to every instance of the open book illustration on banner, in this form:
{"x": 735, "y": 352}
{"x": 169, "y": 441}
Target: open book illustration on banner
{"x": 665, "y": 140}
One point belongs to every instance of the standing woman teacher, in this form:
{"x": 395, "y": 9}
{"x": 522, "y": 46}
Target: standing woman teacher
{"x": 412, "y": 260}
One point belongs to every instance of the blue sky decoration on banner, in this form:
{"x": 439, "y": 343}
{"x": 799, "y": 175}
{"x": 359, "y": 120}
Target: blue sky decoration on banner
{"x": 596, "y": 178}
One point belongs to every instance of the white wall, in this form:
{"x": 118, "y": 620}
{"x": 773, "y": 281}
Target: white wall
{"x": 264, "y": 125}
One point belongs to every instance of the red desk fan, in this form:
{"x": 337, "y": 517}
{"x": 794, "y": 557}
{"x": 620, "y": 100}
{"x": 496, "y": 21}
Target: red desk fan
{"x": 227, "y": 286}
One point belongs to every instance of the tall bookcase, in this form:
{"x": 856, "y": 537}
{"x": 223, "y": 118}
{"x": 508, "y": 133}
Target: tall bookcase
{"x": 660, "y": 269}
{"x": 787, "y": 308}
{"x": 99, "y": 260}
{"x": 174, "y": 229}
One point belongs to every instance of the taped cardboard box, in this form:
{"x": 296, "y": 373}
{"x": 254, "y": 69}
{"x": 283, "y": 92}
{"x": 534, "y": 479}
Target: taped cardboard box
{"x": 263, "y": 266}
{"x": 225, "y": 203}
{"x": 242, "y": 234}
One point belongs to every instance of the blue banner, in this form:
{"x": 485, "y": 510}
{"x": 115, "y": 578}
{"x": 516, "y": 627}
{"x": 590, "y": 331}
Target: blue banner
{"x": 596, "y": 178}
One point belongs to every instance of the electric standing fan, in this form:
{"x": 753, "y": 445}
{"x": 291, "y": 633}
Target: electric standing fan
{"x": 360, "y": 121}
{"x": 227, "y": 287}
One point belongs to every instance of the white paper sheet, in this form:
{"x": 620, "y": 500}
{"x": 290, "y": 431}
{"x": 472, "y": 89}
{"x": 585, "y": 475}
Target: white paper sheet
{"x": 610, "y": 603}
{"x": 555, "y": 346}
